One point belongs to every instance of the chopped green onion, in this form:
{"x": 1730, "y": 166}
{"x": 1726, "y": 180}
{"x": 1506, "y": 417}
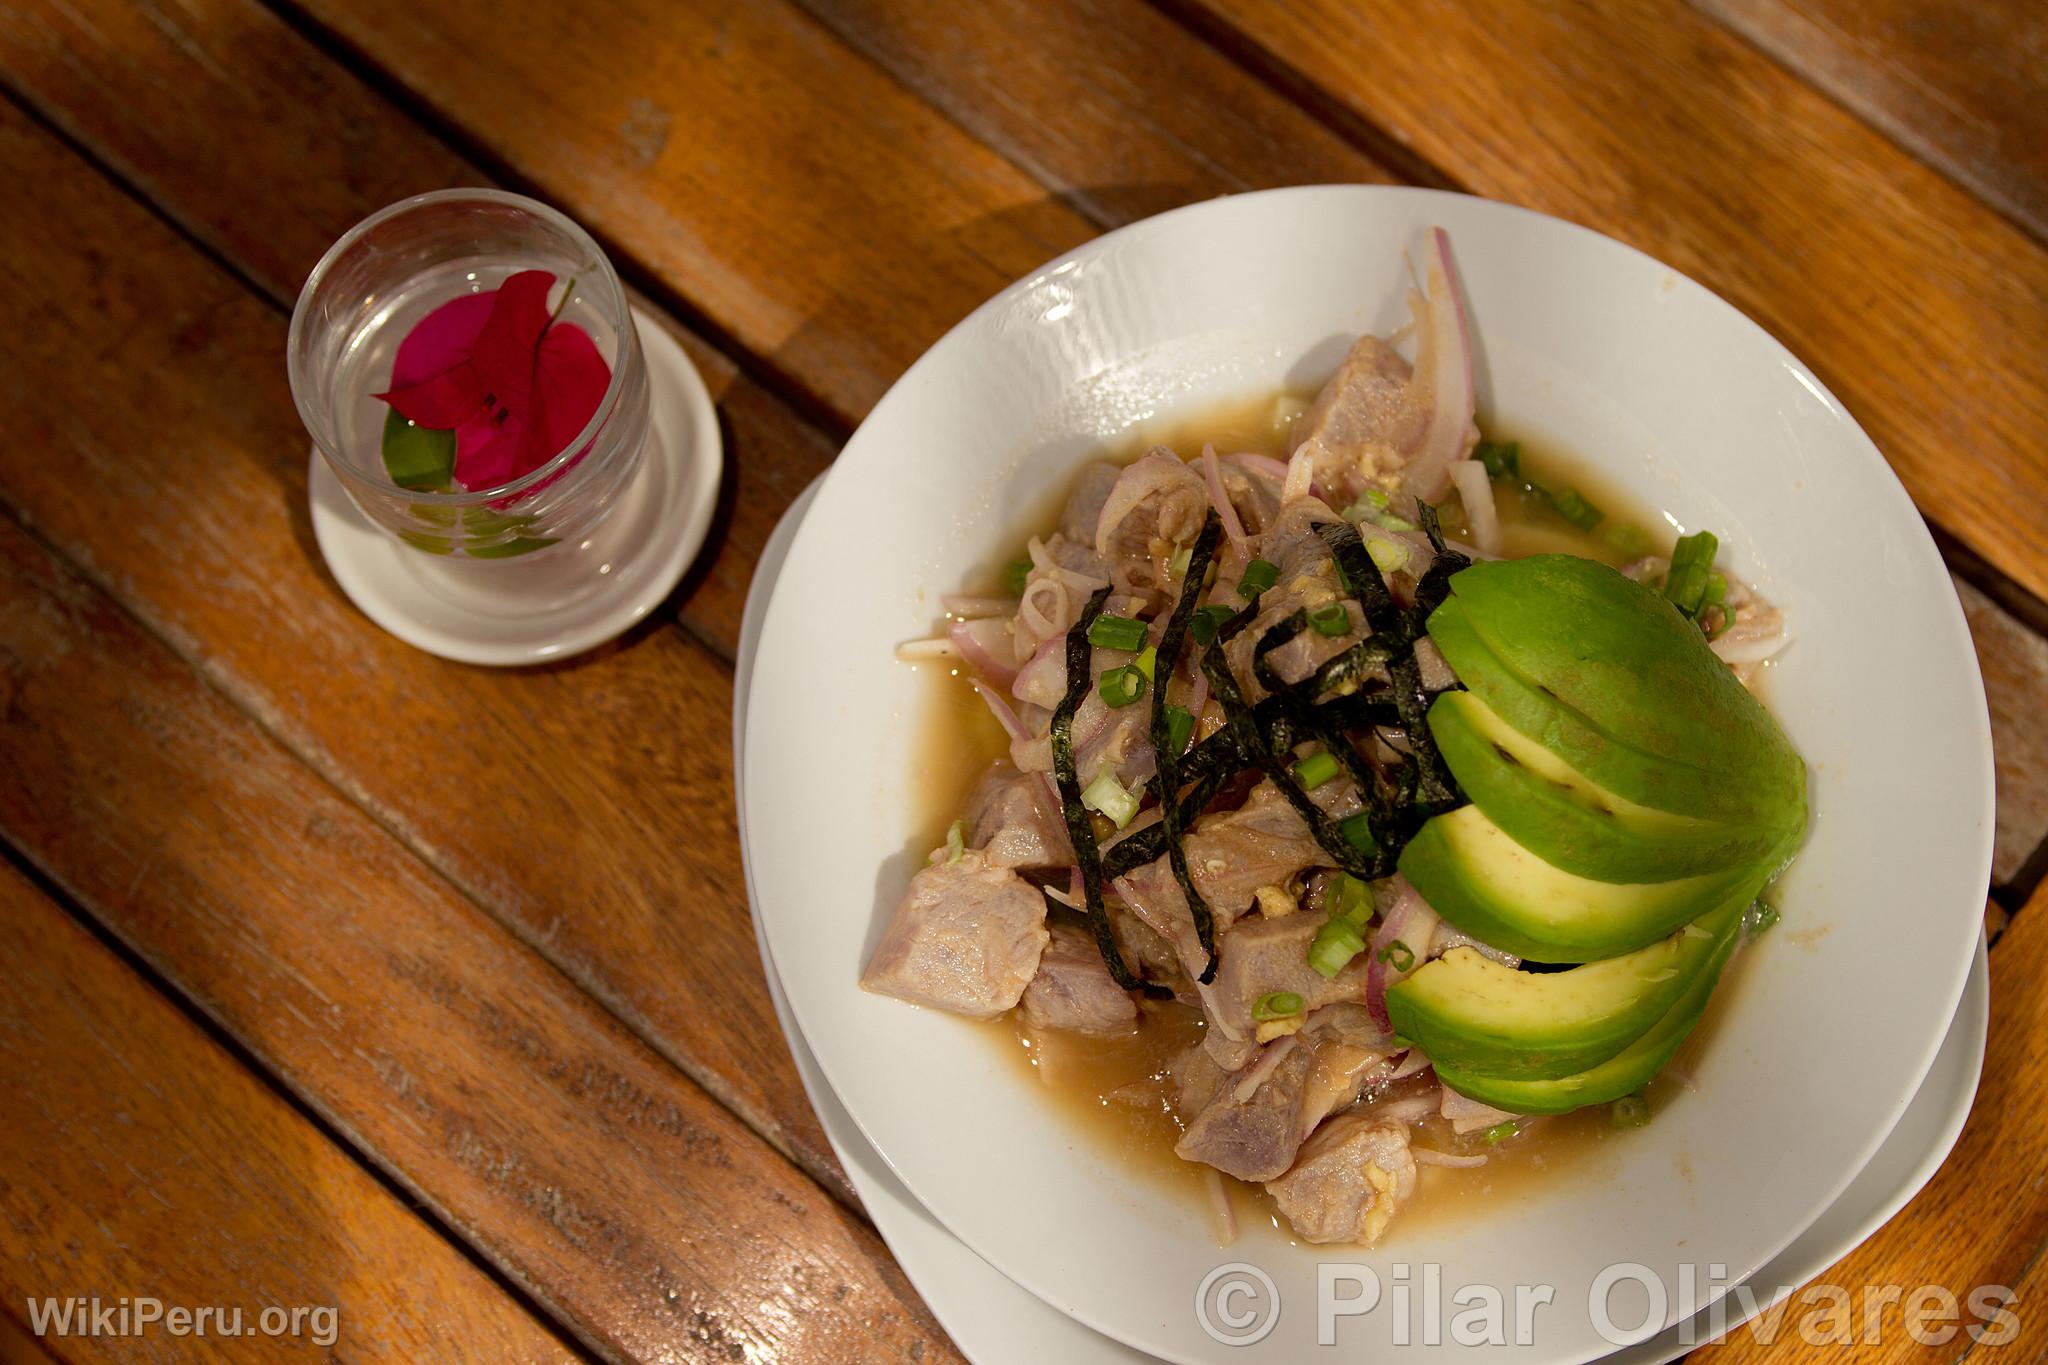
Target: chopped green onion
{"x": 1147, "y": 660}
{"x": 1335, "y": 944}
{"x": 1575, "y": 509}
{"x": 1206, "y": 621}
{"x": 1692, "y": 564}
{"x": 1346, "y": 898}
{"x": 1107, "y": 795}
{"x": 1276, "y": 1005}
{"x": 1630, "y": 1111}
{"x": 1258, "y": 576}
{"x": 1387, "y": 521}
{"x": 1014, "y": 576}
{"x": 1629, "y": 538}
{"x": 956, "y": 841}
{"x": 1370, "y": 506}
{"x": 1398, "y": 955}
{"x": 1717, "y": 591}
{"x": 1357, "y": 832}
{"x": 1501, "y": 1132}
{"x": 1331, "y": 619}
{"x": 1502, "y": 459}
{"x": 1759, "y": 920}
{"x": 1116, "y": 632}
{"x": 1180, "y": 723}
{"x": 1315, "y": 770}
{"x": 1121, "y": 686}
{"x": 1387, "y": 555}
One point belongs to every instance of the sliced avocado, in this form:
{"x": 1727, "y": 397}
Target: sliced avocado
{"x": 1607, "y": 675}
{"x": 1568, "y": 819}
{"x": 1486, "y": 884}
{"x": 1623, "y": 1074}
{"x": 1481, "y": 1019}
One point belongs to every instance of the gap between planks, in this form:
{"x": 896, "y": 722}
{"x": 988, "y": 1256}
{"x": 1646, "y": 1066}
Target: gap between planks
{"x": 46, "y": 885}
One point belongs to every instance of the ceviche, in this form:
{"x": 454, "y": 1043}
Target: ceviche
{"x": 1388, "y": 845}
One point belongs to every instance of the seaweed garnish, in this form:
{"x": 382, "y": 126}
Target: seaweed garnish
{"x": 1252, "y": 743}
{"x": 1373, "y": 683}
{"x": 1080, "y": 830}
{"x": 1171, "y": 641}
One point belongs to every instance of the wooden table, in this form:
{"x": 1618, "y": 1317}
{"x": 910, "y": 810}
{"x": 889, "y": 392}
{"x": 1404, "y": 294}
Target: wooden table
{"x": 334, "y": 974}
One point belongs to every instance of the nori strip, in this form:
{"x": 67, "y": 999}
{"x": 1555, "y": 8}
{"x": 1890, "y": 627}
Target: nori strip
{"x": 1238, "y": 718}
{"x": 1261, "y": 736}
{"x": 1171, "y": 642}
{"x": 1135, "y": 850}
{"x": 1080, "y": 832}
{"x": 1361, "y": 576}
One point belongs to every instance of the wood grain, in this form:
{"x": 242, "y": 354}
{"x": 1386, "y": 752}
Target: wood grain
{"x": 2014, "y": 661}
{"x": 264, "y": 149}
{"x": 635, "y": 1209}
{"x": 144, "y": 1161}
{"x": 821, "y": 213}
{"x": 1955, "y": 82}
{"x": 1983, "y": 1220}
{"x": 164, "y": 379}
{"x": 1923, "y": 310}
{"x": 1108, "y": 103}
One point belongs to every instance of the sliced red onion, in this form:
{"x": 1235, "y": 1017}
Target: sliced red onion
{"x": 1211, "y": 1005}
{"x": 1263, "y": 1068}
{"x": 1264, "y": 466}
{"x": 968, "y": 605}
{"x": 1212, "y": 475}
{"x": 1477, "y": 490}
{"x": 1301, "y": 475}
{"x": 1042, "y": 562}
{"x": 1469, "y": 1115}
{"x": 1043, "y": 681}
{"x": 1752, "y": 649}
{"x": 1410, "y": 921}
{"x": 986, "y": 644}
{"x": 1003, "y": 714}
{"x": 1407, "y": 1109}
{"x": 1429, "y": 1156}
{"x": 1443, "y": 361}
{"x": 1155, "y": 472}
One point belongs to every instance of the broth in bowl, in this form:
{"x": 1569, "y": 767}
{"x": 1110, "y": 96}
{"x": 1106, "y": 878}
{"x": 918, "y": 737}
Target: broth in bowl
{"x": 1351, "y": 813}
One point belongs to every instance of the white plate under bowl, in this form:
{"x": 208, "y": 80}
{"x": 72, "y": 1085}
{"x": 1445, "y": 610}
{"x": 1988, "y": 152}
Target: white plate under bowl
{"x": 997, "y": 1322}
{"x": 1585, "y": 345}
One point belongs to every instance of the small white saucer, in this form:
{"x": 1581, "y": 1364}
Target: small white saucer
{"x": 556, "y": 602}
{"x": 994, "y": 1321}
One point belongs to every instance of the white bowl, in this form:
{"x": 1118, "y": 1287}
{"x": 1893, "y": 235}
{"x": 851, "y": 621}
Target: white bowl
{"x": 1678, "y": 400}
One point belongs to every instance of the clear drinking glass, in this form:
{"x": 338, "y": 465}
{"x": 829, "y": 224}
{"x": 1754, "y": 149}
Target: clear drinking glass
{"x": 377, "y": 282}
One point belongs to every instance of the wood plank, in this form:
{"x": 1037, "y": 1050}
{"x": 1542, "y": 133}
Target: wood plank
{"x": 144, "y": 1161}
{"x": 2015, "y": 664}
{"x": 1924, "y": 311}
{"x": 625, "y": 1200}
{"x": 822, "y": 214}
{"x": 1956, "y": 82}
{"x": 1982, "y": 1221}
{"x": 1109, "y": 103}
{"x": 161, "y": 378}
{"x": 264, "y": 149}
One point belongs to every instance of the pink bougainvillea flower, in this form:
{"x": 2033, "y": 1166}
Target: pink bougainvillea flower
{"x": 513, "y": 383}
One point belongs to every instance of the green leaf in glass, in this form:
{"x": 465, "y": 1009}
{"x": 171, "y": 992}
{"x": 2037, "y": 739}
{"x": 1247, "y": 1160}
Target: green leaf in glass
{"x": 417, "y": 457}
